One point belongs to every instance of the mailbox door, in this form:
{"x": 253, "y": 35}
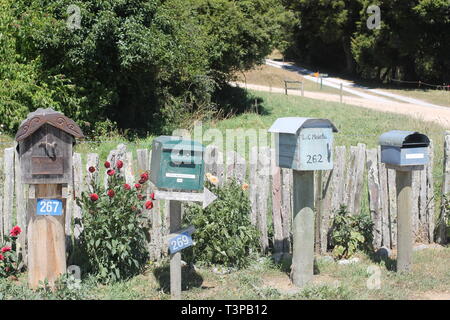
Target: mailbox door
{"x": 315, "y": 149}
{"x": 413, "y": 156}
{"x": 181, "y": 172}
{"x": 46, "y": 157}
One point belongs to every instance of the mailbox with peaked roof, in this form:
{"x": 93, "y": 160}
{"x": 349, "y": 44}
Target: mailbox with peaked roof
{"x": 177, "y": 164}
{"x": 404, "y": 148}
{"x": 304, "y": 144}
{"x": 45, "y": 145}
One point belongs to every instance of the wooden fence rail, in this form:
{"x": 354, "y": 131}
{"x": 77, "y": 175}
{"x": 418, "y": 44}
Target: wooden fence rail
{"x": 356, "y": 169}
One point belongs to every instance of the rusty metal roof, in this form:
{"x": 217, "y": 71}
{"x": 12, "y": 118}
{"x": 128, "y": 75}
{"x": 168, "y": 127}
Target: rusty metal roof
{"x": 38, "y": 118}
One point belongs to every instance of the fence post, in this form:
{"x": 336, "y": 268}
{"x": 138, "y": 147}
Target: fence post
{"x": 441, "y": 235}
{"x": 8, "y": 190}
{"x": 405, "y": 234}
{"x": 303, "y": 228}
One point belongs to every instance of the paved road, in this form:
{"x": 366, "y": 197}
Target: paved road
{"x": 420, "y": 112}
{"x": 348, "y": 85}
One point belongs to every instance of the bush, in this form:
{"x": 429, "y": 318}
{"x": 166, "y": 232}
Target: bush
{"x": 8, "y": 254}
{"x": 350, "y": 233}
{"x": 113, "y": 237}
{"x": 224, "y": 233}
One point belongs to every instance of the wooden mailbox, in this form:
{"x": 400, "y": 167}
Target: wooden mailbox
{"x": 45, "y": 146}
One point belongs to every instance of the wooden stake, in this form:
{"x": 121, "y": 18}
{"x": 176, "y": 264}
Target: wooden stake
{"x": 175, "y": 259}
{"x": 303, "y": 228}
{"x": 46, "y": 240}
{"x": 404, "y": 222}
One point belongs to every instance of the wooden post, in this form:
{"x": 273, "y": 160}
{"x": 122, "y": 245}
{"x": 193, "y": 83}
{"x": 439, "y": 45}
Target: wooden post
{"x": 441, "y": 234}
{"x": 175, "y": 259}
{"x": 46, "y": 239}
{"x": 285, "y": 87}
{"x": 404, "y": 222}
{"x": 303, "y": 228}
{"x": 340, "y": 93}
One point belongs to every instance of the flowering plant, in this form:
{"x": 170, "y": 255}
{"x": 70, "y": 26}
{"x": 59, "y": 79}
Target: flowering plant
{"x": 8, "y": 253}
{"x": 113, "y": 240}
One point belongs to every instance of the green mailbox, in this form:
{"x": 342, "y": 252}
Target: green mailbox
{"x": 177, "y": 164}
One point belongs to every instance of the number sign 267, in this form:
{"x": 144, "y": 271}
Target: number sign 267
{"x": 49, "y": 207}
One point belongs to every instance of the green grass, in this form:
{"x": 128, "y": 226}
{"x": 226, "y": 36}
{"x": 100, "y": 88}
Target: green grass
{"x": 439, "y": 97}
{"x": 263, "y": 280}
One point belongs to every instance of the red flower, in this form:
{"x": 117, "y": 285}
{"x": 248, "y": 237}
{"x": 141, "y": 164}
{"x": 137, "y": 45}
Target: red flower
{"x": 144, "y": 176}
{"x": 152, "y": 196}
{"x": 137, "y": 186}
{"x": 119, "y": 164}
{"x": 1, "y": 257}
{"x": 107, "y": 164}
{"x": 6, "y": 249}
{"x": 94, "y": 197}
{"x": 127, "y": 186}
{"x": 149, "y": 205}
{"x": 111, "y": 193}
{"x": 91, "y": 169}
{"x": 15, "y": 231}
{"x": 111, "y": 172}
{"x": 140, "y": 197}
{"x": 142, "y": 181}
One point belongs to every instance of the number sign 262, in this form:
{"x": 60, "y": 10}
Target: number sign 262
{"x": 180, "y": 242}
{"x": 49, "y": 207}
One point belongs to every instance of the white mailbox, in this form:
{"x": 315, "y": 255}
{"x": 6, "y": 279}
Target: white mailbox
{"x": 304, "y": 144}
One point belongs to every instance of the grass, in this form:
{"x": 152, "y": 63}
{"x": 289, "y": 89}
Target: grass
{"x": 263, "y": 280}
{"x": 439, "y": 97}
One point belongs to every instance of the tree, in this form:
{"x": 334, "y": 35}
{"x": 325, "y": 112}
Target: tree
{"x": 142, "y": 63}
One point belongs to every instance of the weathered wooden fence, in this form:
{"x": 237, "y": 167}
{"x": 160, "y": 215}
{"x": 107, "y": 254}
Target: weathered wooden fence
{"x": 358, "y": 178}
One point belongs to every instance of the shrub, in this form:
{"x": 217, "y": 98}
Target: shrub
{"x": 350, "y": 233}
{"x": 8, "y": 254}
{"x": 224, "y": 233}
{"x": 113, "y": 237}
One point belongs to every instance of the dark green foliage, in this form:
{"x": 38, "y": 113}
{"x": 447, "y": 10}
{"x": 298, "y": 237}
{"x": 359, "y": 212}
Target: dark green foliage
{"x": 412, "y": 43}
{"x": 143, "y": 64}
{"x": 224, "y": 234}
{"x": 350, "y": 233}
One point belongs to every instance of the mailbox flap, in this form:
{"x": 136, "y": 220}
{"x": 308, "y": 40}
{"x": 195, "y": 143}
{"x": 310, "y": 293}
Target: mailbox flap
{"x": 404, "y": 139}
{"x": 292, "y": 125}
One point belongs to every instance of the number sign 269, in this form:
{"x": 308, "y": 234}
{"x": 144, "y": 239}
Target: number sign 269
{"x": 49, "y": 207}
{"x": 180, "y": 242}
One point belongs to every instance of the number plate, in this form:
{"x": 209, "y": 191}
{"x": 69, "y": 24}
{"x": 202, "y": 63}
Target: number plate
{"x": 180, "y": 242}
{"x": 49, "y": 207}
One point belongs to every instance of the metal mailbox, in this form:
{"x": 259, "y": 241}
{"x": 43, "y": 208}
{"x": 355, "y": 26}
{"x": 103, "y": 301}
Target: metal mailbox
{"x": 45, "y": 147}
{"x": 177, "y": 164}
{"x": 304, "y": 144}
{"x": 404, "y": 148}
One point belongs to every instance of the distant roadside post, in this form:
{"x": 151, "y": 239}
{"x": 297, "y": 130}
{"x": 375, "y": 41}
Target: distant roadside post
{"x": 404, "y": 151}
{"x": 304, "y": 145}
{"x": 177, "y": 170}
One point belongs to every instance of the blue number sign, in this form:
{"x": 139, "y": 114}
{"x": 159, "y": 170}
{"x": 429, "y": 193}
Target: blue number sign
{"x": 180, "y": 242}
{"x": 49, "y": 207}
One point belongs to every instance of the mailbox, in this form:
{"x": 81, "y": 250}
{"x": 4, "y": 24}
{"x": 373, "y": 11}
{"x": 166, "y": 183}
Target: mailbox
{"x": 304, "y": 144}
{"x": 404, "y": 148}
{"x": 45, "y": 145}
{"x": 177, "y": 164}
